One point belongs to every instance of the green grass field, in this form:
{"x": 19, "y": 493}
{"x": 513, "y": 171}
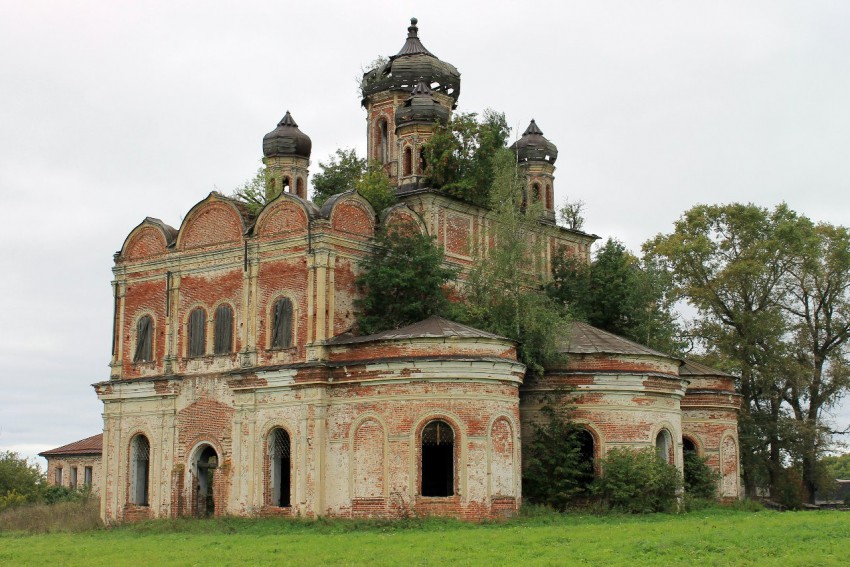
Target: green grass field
{"x": 710, "y": 537}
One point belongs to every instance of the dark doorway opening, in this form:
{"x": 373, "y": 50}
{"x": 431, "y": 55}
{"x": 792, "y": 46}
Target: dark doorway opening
{"x": 205, "y": 481}
{"x": 438, "y": 456}
{"x": 280, "y": 461}
{"x": 588, "y": 451}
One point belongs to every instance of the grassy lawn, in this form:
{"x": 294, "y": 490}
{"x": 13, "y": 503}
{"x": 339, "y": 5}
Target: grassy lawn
{"x": 711, "y": 537}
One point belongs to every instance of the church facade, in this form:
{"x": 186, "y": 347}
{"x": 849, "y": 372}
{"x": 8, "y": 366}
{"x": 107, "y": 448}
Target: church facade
{"x": 236, "y": 386}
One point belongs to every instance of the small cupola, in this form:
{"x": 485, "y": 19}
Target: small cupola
{"x": 421, "y": 108}
{"x": 287, "y": 140}
{"x": 533, "y": 146}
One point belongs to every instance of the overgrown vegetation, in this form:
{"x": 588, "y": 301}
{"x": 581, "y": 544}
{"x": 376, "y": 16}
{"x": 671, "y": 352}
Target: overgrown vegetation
{"x": 77, "y": 512}
{"x": 700, "y": 480}
{"x": 21, "y": 481}
{"x": 402, "y": 282}
{"x": 461, "y": 156}
{"x": 638, "y": 482}
{"x": 338, "y": 174}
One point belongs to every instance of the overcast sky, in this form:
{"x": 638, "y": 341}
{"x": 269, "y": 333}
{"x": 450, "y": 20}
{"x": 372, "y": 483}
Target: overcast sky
{"x": 114, "y": 111}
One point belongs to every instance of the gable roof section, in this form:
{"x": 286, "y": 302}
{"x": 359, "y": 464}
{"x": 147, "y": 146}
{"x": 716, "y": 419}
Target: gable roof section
{"x": 432, "y": 327}
{"x": 89, "y": 446}
{"x": 586, "y": 339}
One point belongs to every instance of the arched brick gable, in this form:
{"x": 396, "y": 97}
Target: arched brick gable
{"x": 211, "y": 222}
{"x": 284, "y": 215}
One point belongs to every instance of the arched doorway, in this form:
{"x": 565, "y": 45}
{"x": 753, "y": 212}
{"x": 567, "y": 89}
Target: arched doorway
{"x": 587, "y": 450}
{"x": 203, "y": 471}
{"x": 279, "y": 481}
{"x": 438, "y": 459}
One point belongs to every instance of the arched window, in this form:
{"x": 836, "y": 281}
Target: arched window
{"x": 422, "y": 162}
{"x": 279, "y": 468}
{"x": 223, "y": 329}
{"x": 282, "y": 323}
{"x": 197, "y": 329}
{"x": 299, "y": 188}
{"x": 144, "y": 339}
{"x": 550, "y": 198}
{"x": 205, "y": 468}
{"x": 688, "y": 446}
{"x": 383, "y": 142}
{"x": 588, "y": 455}
{"x": 408, "y": 161}
{"x": 438, "y": 459}
{"x": 664, "y": 446}
{"x": 140, "y": 456}
{"x": 535, "y": 193}
{"x": 284, "y": 185}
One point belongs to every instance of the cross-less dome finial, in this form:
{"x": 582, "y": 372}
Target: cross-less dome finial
{"x": 413, "y": 21}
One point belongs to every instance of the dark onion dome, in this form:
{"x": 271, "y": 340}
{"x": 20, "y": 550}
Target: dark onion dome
{"x": 421, "y": 108}
{"x": 534, "y": 147}
{"x": 412, "y": 64}
{"x": 287, "y": 140}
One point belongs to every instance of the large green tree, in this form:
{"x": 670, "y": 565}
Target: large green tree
{"x": 621, "y": 294}
{"x": 338, "y": 174}
{"x": 504, "y": 294}
{"x": 402, "y": 282}
{"x": 20, "y": 480}
{"x": 460, "y": 156}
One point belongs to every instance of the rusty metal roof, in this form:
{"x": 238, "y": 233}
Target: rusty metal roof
{"x": 693, "y": 368}
{"x": 432, "y": 327}
{"x": 586, "y": 339}
{"x": 533, "y": 146}
{"x": 89, "y": 446}
{"x": 287, "y": 140}
{"x": 412, "y": 64}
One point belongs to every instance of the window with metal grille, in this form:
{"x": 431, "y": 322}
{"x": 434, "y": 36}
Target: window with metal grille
{"x": 144, "y": 339}
{"x": 280, "y": 467}
{"x": 282, "y": 323}
{"x": 223, "y": 329}
{"x": 197, "y": 332}
{"x": 140, "y": 450}
{"x": 438, "y": 457}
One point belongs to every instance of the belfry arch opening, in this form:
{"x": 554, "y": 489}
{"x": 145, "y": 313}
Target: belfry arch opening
{"x": 204, "y": 473}
{"x": 438, "y": 459}
{"x": 140, "y": 457}
{"x": 280, "y": 468}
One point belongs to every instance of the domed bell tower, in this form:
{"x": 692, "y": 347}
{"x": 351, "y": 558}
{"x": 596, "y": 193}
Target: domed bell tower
{"x": 420, "y": 86}
{"x": 286, "y": 153}
{"x": 536, "y": 156}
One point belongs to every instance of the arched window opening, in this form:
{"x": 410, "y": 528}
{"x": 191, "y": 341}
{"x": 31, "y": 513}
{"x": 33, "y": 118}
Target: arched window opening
{"x": 688, "y": 446}
{"x": 280, "y": 468}
{"x": 550, "y": 198}
{"x": 197, "y": 332}
{"x": 422, "y": 162}
{"x": 383, "y": 142}
{"x": 282, "y": 323}
{"x": 299, "y": 188}
{"x": 205, "y": 481}
{"x": 408, "y": 161}
{"x": 664, "y": 446}
{"x": 284, "y": 185}
{"x": 140, "y": 456}
{"x": 587, "y": 450}
{"x": 223, "y": 331}
{"x": 144, "y": 340}
{"x": 535, "y": 193}
{"x": 438, "y": 457}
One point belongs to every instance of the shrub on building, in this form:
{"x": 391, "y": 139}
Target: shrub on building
{"x": 638, "y": 482}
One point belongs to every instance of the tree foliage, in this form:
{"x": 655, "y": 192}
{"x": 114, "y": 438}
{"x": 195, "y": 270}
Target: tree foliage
{"x": 772, "y": 292}
{"x": 558, "y": 469}
{"x": 621, "y": 294}
{"x": 402, "y": 282}
{"x": 375, "y": 186}
{"x": 638, "y": 482}
{"x": 20, "y": 480}
{"x": 254, "y": 192}
{"x": 460, "y": 156}
{"x": 503, "y": 294}
{"x": 340, "y": 173}
{"x": 700, "y": 480}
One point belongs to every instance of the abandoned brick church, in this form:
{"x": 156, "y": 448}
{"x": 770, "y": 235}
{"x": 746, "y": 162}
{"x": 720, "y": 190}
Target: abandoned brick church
{"x": 237, "y": 388}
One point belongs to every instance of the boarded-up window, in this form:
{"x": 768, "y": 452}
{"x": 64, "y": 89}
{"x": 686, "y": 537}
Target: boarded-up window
{"x": 57, "y": 480}
{"x": 87, "y": 476}
{"x": 73, "y": 483}
{"x": 144, "y": 340}
{"x": 197, "y": 332}
{"x": 282, "y": 323}
{"x": 408, "y": 161}
{"x": 223, "y": 329}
